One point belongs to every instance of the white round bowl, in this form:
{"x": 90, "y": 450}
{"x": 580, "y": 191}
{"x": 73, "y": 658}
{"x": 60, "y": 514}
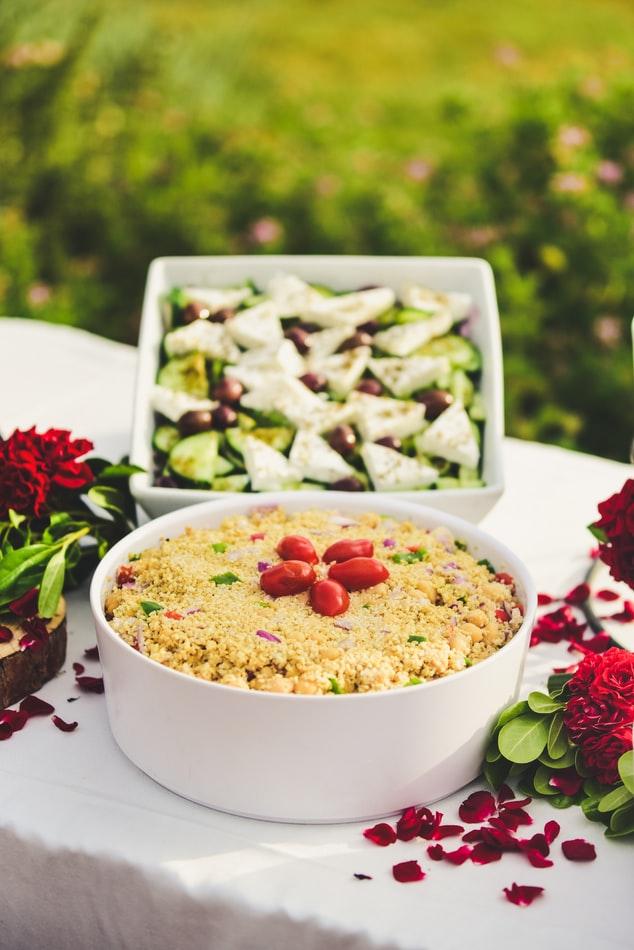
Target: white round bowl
{"x": 306, "y": 758}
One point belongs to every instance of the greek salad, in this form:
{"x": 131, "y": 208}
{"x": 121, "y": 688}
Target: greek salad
{"x": 295, "y": 386}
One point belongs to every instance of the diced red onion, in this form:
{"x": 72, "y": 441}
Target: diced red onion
{"x": 265, "y": 635}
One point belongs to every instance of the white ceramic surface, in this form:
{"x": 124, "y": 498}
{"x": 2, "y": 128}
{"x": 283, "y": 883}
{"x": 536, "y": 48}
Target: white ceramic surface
{"x": 469, "y": 275}
{"x": 306, "y": 758}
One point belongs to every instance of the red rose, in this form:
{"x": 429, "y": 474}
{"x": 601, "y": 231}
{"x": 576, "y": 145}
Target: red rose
{"x": 614, "y": 680}
{"x": 34, "y": 465}
{"x": 585, "y": 674}
{"x": 586, "y": 717}
{"x": 601, "y": 754}
{"x": 617, "y": 524}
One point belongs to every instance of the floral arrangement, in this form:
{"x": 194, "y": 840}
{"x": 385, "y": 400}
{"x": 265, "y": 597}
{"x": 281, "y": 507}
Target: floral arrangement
{"x": 573, "y": 744}
{"x": 59, "y": 514}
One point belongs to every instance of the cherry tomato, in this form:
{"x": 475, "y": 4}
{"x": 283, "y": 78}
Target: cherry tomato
{"x": 294, "y": 547}
{"x": 503, "y": 578}
{"x": 344, "y": 550}
{"x": 359, "y": 573}
{"x": 289, "y": 577}
{"x": 125, "y": 575}
{"x": 329, "y": 598}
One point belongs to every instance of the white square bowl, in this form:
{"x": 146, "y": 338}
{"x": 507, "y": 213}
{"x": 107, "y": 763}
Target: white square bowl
{"x": 466, "y": 274}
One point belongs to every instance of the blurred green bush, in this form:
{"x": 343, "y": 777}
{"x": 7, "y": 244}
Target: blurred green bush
{"x": 103, "y": 167}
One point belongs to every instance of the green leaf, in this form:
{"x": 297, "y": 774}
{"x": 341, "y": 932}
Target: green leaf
{"x": 541, "y": 781}
{"x": 493, "y": 751}
{"x": 598, "y": 533}
{"x": 561, "y": 801}
{"x": 626, "y": 770}
{"x": 150, "y": 606}
{"x": 52, "y": 584}
{"x": 594, "y": 789}
{"x": 563, "y": 762}
{"x": 227, "y": 578}
{"x": 523, "y": 739}
{"x": 557, "y": 681}
{"x": 122, "y": 470}
{"x": 622, "y": 821}
{"x": 511, "y": 712}
{"x": 618, "y": 797}
{"x": 109, "y": 498}
{"x": 590, "y": 808}
{"x": 543, "y": 704}
{"x": 219, "y": 547}
{"x": 15, "y": 519}
{"x": 15, "y": 563}
{"x": 415, "y": 638}
{"x": 496, "y": 773}
{"x": 409, "y": 557}
{"x": 580, "y": 766}
{"x": 557, "y": 738}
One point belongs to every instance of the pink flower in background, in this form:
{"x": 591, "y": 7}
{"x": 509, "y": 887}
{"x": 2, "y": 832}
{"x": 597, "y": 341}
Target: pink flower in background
{"x": 573, "y": 136}
{"x": 628, "y": 201}
{"x": 38, "y": 294}
{"x": 608, "y": 330}
{"x": 418, "y": 169}
{"x": 506, "y": 54}
{"x": 265, "y": 231}
{"x": 609, "y": 172}
{"x": 572, "y": 183}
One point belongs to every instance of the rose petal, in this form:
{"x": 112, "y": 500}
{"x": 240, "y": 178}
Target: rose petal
{"x": 79, "y": 668}
{"x": 566, "y": 781}
{"x": 622, "y": 616}
{"x": 475, "y": 835}
{"x": 92, "y": 653}
{"x": 536, "y": 843}
{"x": 513, "y": 819}
{"x": 537, "y": 859}
{"x": 90, "y": 684}
{"x": 448, "y": 831}
{"x": 429, "y": 824}
{"x": 5, "y": 731}
{"x": 578, "y": 595}
{"x": 13, "y": 718}
{"x": 64, "y": 726}
{"x": 477, "y": 807}
{"x": 34, "y": 706}
{"x": 381, "y": 834}
{"x": 544, "y": 599}
{"x": 26, "y": 605}
{"x": 6, "y": 634}
{"x": 484, "y": 854}
{"x": 437, "y": 853}
{"x": 408, "y": 871}
{"x": 505, "y": 794}
{"x": 522, "y": 894}
{"x": 578, "y": 849}
{"x": 408, "y": 825}
{"x": 517, "y": 803}
{"x": 551, "y": 831}
{"x": 606, "y": 595}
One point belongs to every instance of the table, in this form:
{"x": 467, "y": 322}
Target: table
{"x": 95, "y": 854}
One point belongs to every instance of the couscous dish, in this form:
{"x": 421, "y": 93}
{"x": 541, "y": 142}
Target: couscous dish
{"x": 313, "y": 602}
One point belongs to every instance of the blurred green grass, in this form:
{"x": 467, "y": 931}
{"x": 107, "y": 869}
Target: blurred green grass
{"x": 505, "y": 131}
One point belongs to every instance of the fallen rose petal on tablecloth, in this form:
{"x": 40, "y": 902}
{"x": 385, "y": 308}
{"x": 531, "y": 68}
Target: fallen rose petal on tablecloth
{"x": 522, "y": 894}
{"x": 578, "y": 849}
{"x": 407, "y": 872}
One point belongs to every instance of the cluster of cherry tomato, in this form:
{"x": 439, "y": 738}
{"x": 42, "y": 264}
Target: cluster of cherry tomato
{"x": 352, "y": 567}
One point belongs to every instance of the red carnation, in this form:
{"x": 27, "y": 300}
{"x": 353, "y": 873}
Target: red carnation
{"x": 34, "y": 465}
{"x": 601, "y": 753}
{"x": 617, "y": 527}
{"x": 585, "y": 716}
{"x": 614, "y": 680}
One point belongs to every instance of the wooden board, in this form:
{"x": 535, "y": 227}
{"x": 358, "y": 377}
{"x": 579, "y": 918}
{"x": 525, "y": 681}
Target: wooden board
{"x": 25, "y": 672}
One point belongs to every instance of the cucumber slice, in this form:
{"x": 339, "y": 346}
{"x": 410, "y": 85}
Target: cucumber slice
{"x": 278, "y": 437}
{"x": 185, "y": 374}
{"x": 477, "y": 409}
{"x": 469, "y": 477}
{"x": 165, "y": 438}
{"x": 195, "y": 457}
{"x": 245, "y": 422}
{"x": 223, "y": 466}
{"x": 231, "y": 483}
{"x": 448, "y": 483}
{"x": 460, "y": 352}
{"x": 410, "y": 315}
{"x": 461, "y": 387}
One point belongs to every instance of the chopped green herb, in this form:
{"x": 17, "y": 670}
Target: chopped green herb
{"x": 461, "y": 545}
{"x": 219, "y": 547}
{"x": 264, "y": 603}
{"x": 409, "y": 557}
{"x": 367, "y": 606}
{"x": 486, "y": 563}
{"x": 334, "y": 686}
{"x": 134, "y": 557}
{"x": 415, "y": 638}
{"x": 149, "y": 607}
{"x": 414, "y": 681}
{"x": 468, "y": 661}
{"x": 462, "y": 599}
{"x": 227, "y": 578}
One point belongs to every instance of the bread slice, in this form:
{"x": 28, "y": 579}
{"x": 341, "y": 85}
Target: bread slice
{"x": 24, "y": 672}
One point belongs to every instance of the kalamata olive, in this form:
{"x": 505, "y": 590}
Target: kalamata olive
{"x": 348, "y": 484}
{"x": 309, "y": 327}
{"x": 221, "y": 315}
{"x": 390, "y": 442}
{"x": 196, "y": 420}
{"x": 329, "y": 598}
{"x": 343, "y": 440}
{"x": 301, "y": 339}
{"x": 317, "y": 382}
{"x": 194, "y": 311}
{"x": 357, "y": 339}
{"x": 224, "y": 417}
{"x": 435, "y": 401}
{"x": 370, "y": 386}
{"x": 166, "y": 481}
{"x": 228, "y": 390}
{"x": 371, "y": 326}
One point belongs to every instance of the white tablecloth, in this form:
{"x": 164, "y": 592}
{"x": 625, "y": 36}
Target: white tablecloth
{"x": 93, "y": 853}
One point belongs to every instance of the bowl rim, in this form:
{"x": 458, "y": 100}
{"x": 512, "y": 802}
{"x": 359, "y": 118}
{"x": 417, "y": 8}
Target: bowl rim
{"x": 397, "y": 508}
{"x": 141, "y": 483}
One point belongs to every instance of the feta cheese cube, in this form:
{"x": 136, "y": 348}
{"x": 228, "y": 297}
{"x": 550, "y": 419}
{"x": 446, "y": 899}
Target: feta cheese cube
{"x": 403, "y": 339}
{"x": 256, "y": 326}
{"x": 390, "y": 470}
{"x": 350, "y": 310}
{"x": 378, "y": 416}
{"x": 173, "y": 404}
{"x": 451, "y": 437}
{"x": 218, "y": 298}
{"x": 201, "y": 336}
{"x": 267, "y": 468}
{"x": 344, "y": 370}
{"x": 403, "y": 376}
{"x": 291, "y": 295}
{"x": 316, "y": 460}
